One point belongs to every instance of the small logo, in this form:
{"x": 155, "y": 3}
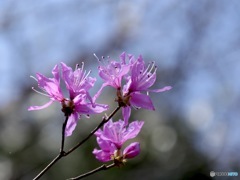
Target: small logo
{"x": 212, "y": 174}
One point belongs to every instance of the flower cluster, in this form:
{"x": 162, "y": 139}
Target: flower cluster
{"x": 134, "y": 93}
{"x": 78, "y": 83}
{"x": 112, "y": 138}
{"x": 138, "y": 79}
{"x": 131, "y": 78}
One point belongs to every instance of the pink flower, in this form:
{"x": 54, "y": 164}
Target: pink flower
{"x": 141, "y": 78}
{"x": 112, "y": 138}
{"x": 77, "y": 81}
{"x": 117, "y": 133}
{"x": 113, "y": 72}
{"x": 109, "y": 152}
{"x": 79, "y": 102}
{"x": 51, "y": 86}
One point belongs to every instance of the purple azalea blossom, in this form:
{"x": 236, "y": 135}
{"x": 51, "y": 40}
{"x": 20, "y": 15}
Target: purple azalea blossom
{"x": 78, "y": 84}
{"x": 140, "y": 80}
{"x": 113, "y": 72}
{"x": 51, "y": 86}
{"x": 112, "y": 138}
{"x": 109, "y": 151}
{"x": 77, "y": 81}
{"x": 117, "y": 133}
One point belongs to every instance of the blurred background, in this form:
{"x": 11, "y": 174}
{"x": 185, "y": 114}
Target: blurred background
{"x": 196, "y": 46}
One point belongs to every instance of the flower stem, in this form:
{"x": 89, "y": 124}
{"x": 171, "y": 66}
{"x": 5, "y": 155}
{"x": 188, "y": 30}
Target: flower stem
{"x": 63, "y": 135}
{"x": 103, "y": 167}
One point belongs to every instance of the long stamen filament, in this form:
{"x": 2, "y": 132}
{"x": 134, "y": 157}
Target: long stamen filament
{"x": 82, "y": 66}
{"x": 96, "y": 57}
{"x": 34, "y": 78}
{"x": 77, "y": 66}
{"x": 40, "y": 92}
{"x": 144, "y": 78}
{"x": 87, "y": 74}
{"x": 153, "y": 65}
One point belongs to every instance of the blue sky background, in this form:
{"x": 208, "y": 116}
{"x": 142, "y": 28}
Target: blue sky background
{"x": 196, "y": 45}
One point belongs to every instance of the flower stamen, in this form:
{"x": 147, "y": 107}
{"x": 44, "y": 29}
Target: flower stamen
{"x": 40, "y": 92}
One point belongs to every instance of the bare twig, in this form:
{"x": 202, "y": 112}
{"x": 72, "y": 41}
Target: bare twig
{"x": 63, "y": 135}
{"x": 103, "y": 167}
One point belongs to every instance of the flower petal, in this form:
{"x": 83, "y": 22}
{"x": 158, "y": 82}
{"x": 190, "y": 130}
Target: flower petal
{"x": 105, "y": 145}
{"x": 126, "y": 112}
{"x": 32, "y": 108}
{"x": 113, "y": 132}
{"x": 146, "y": 82}
{"x": 123, "y": 57}
{"x": 51, "y": 86}
{"x": 166, "y": 88}
{"x": 55, "y": 73}
{"x": 141, "y": 100}
{"x": 76, "y": 81}
{"x": 132, "y": 131}
{"x": 113, "y": 72}
{"x": 98, "y": 133}
{"x": 71, "y": 124}
{"x": 101, "y": 155}
{"x": 127, "y": 85}
{"x": 99, "y": 91}
{"x": 88, "y": 108}
{"x": 107, "y": 150}
{"x": 132, "y": 150}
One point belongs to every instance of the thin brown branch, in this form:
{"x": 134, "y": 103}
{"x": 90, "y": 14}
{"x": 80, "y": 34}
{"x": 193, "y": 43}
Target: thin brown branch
{"x": 103, "y": 167}
{"x": 63, "y": 135}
